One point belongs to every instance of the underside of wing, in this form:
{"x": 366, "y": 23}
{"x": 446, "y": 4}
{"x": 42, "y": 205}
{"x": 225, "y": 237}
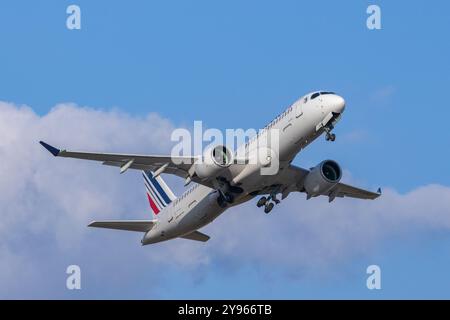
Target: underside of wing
{"x": 176, "y": 165}
{"x": 345, "y": 190}
{"x": 292, "y": 179}
{"x": 127, "y": 225}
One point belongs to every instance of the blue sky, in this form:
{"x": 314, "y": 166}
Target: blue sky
{"x": 237, "y": 64}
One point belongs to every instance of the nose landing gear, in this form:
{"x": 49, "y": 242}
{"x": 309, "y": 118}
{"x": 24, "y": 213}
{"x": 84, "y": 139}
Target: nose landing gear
{"x": 329, "y": 136}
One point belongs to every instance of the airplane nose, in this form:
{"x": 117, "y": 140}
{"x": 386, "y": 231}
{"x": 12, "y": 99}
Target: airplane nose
{"x": 338, "y": 104}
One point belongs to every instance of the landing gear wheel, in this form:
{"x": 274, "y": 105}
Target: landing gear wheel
{"x": 229, "y": 198}
{"x": 330, "y": 136}
{"x": 261, "y": 202}
{"x": 221, "y": 202}
{"x": 268, "y": 207}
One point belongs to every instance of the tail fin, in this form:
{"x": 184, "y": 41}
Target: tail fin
{"x": 158, "y": 193}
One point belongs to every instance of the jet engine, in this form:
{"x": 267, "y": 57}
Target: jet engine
{"x": 322, "y": 178}
{"x": 214, "y": 161}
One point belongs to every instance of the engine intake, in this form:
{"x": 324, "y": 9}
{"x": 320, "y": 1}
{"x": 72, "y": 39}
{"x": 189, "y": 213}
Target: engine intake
{"x": 322, "y": 178}
{"x": 214, "y": 161}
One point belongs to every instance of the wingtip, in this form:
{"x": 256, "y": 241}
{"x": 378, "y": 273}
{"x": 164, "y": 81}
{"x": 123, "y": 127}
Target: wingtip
{"x": 54, "y": 151}
{"x": 92, "y": 224}
{"x": 379, "y": 191}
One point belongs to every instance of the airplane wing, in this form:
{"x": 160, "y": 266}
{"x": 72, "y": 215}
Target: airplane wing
{"x": 291, "y": 179}
{"x": 173, "y": 165}
{"x": 127, "y": 225}
{"x": 344, "y": 190}
{"x": 340, "y": 190}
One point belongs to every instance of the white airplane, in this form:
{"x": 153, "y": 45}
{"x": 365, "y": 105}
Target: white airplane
{"x": 222, "y": 183}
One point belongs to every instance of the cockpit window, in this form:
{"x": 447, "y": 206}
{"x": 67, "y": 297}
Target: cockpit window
{"x": 315, "y": 95}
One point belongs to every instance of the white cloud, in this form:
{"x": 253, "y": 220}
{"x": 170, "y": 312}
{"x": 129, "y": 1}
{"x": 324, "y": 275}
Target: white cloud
{"x": 46, "y": 202}
{"x": 309, "y": 236}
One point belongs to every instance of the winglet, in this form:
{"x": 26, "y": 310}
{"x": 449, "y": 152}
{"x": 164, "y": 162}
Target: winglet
{"x": 54, "y": 151}
{"x": 379, "y": 191}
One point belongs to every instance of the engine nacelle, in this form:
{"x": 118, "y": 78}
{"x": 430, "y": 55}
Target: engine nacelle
{"x": 215, "y": 160}
{"x": 322, "y": 178}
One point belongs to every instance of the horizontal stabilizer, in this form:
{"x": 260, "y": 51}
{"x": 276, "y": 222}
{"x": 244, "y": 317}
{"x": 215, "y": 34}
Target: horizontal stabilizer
{"x": 127, "y": 225}
{"x": 197, "y": 236}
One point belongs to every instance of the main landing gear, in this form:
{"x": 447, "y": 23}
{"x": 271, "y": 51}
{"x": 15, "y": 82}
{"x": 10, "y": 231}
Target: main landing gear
{"x": 226, "y": 191}
{"x": 224, "y": 199}
{"x": 268, "y": 203}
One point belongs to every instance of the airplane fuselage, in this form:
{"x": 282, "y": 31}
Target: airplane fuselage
{"x": 297, "y": 127}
